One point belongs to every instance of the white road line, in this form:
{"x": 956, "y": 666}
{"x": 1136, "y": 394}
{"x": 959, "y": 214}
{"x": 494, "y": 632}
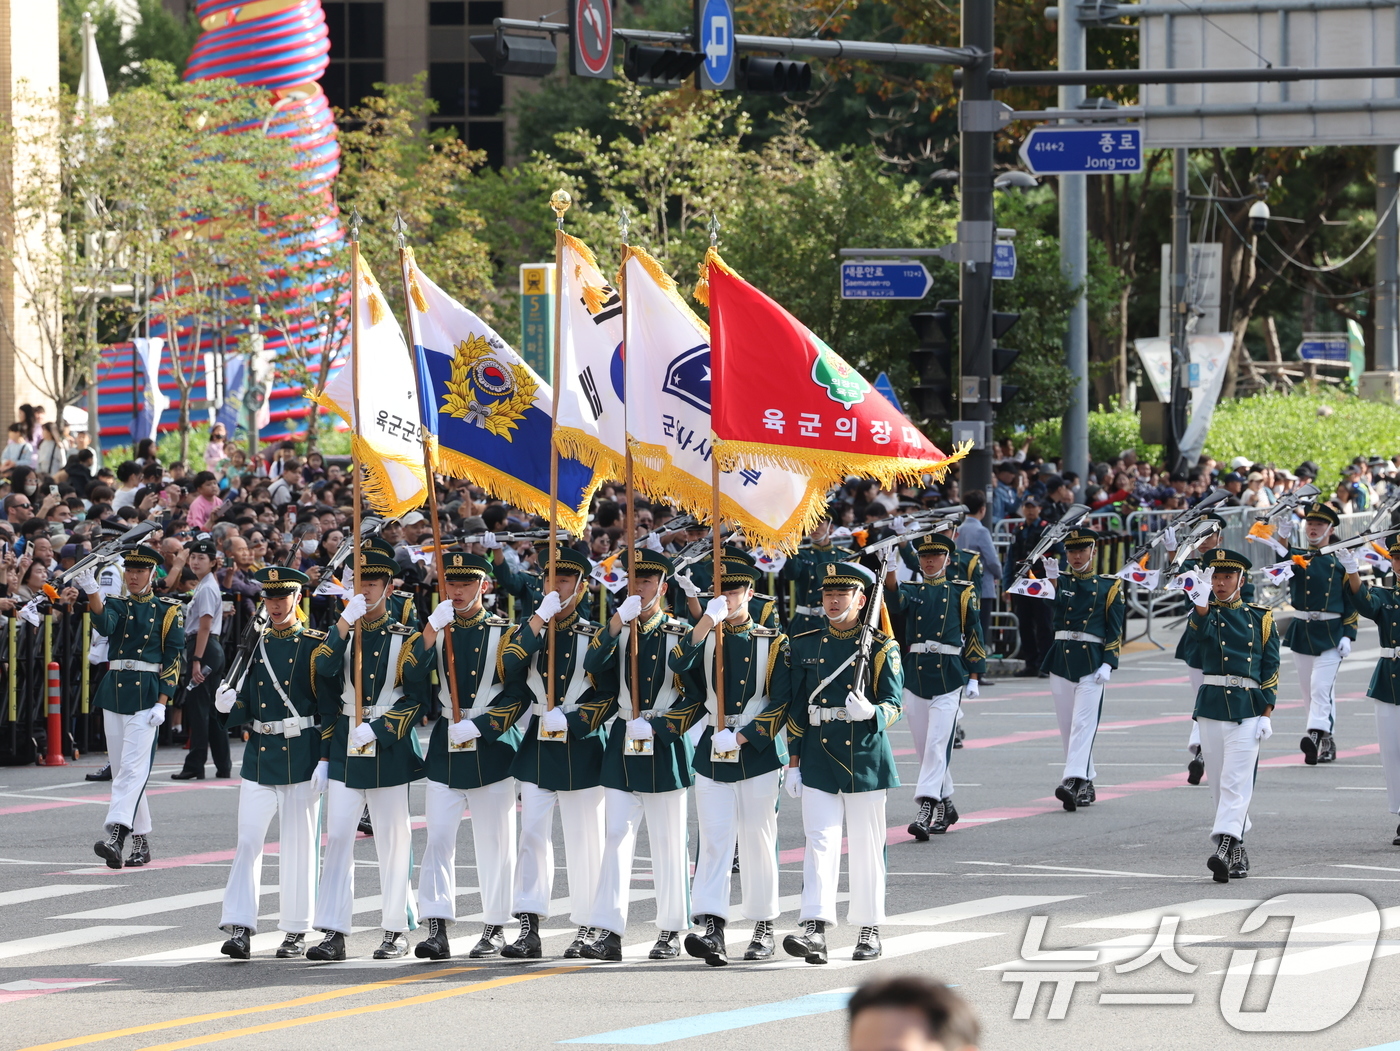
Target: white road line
{"x": 974, "y": 909}
{"x": 208, "y": 952}
{"x": 1151, "y": 919}
{"x": 56, "y": 890}
{"x": 133, "y": 909}
{"x": 903, "y": 945}
{"x": 69, "y": 939}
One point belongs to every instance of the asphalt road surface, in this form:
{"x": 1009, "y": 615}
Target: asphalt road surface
{"x": 91, "y": 957}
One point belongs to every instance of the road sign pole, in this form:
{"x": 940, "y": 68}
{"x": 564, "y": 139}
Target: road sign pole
{"x": 1074, "y": 264}
{"x": 1387, "y": 359}
{"x": 975, "y": 278}
{"x": 1180, "y": 408}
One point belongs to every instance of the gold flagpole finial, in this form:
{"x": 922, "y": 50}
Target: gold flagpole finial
{"x": 560, "y": 201}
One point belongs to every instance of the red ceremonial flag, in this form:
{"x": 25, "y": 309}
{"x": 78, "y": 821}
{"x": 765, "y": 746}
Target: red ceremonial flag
{"x": 781, "y": 396}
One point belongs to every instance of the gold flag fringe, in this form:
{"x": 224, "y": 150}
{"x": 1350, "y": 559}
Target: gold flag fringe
{"x": 702, "y": 287}
{"x": 513, "y": 491}
{"x": 664, "y": 281}
{"x": 585, "y": 253}
{"x": 588, "y": 450}
{"x": 379, "y": 486}
{"x": 833, "y": 466}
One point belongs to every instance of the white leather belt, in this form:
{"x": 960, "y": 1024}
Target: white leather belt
{"x": 371, "y": 711}
{"x": 132, "y": 666}
{"x": 809, "y": 611}
{"x": 1077, "y": 636}
{"x": 818, "y": 714}
{"x": 305, "y": 722}
{"x": 936, "y": 647}
{"x": 1388, "y": 652}
{"x": 1231, "y": 680}
{"x": 730, "y": 721}
{"x": 1308, "y": 614}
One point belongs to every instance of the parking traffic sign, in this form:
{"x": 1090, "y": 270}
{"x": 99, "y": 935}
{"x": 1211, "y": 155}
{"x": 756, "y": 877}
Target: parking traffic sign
{"x": 884, "y": 279}
{"x": 1064, "y": 150}
{"x": 714, "y": 29}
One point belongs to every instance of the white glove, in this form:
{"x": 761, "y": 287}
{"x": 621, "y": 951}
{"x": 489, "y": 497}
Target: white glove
{"x": 639, "y": 730}
{"x": 85, "y": 582}
{"x": 630, "y": 608}
{"x": 1102, "y": 675}
{"x": 1200, "y": 594}
{"x": 898, "y": 524}
{"x": 554, "y": 721}
{"x": 858, "y": 708}
{"x": 717, "y": 609}
{"x": 361, "y": 735}
{"x": 653, "y": 543}
{"x": 225, "y": 697}
{"x": 1344, "y": 647}
{"x": 725, "y": 740}
{"x": 1347, "y": 558}
{"x": 1284, "y": 528}
{"x": 972, "y": 689}
{"x": 489, "y": 541}
{"x": 442, "y": 615}
{"x": 549, "y": 606}
{"x": 1051, "y": 567}
{"x": 321, "y": 776}
{"x": 1169, "y": 538}
{"x": 794, "y": 782}
{"x": 687, "y": 585}
{"x": 463, "y": 731}
{"x": 157, "y": 715}
{"x": 354, "y": 609}
{"x": 1263, "y": 729}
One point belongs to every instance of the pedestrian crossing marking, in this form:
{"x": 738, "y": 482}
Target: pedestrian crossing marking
{"x": 69, "y": 939}
{"x": 975, "y": 909}
{"x": 1151, "y": 919}
{"x": 723, "y": 1021}
{"x": 53, "y": 890}
{"x": 133, "y": 909}
{"x": 30, "y": 987}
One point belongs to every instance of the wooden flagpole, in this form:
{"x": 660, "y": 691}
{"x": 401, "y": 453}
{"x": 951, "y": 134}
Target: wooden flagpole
{"x": 631, "y": 509}
{"x": 716, "y": 528}
{"x": 559, "y": 202}
{"x": 358, "y": 564}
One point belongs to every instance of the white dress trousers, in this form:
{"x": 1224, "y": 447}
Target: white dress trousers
{"x": 393, "y": 845}
{"x": 131, "y": 747}
{"x": 743, "y": 812}
{"x": 1231, "y": 754}
{"x": 1077, "y": 708}
{"x": 665, "y": 814}
{"x": 493, "y": 837}
{"x": 1318, "y": 674}
{"x": 1388, "y": 731}
{"x": 931, "y": 721}
{"x": 864, "y": 815}
{"x": 298, "y": 810}
{"x": 581, "y": 812}
{"x": 1198, "y": 678}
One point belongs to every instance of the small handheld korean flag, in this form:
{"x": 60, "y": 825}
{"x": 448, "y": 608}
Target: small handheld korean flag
{"x": 1375, "y": 556}
{"x": 1279, "y": 572}
{"x": 769, "y": 561}
{"x": 1032, "y": 587}
{"x": 610, "y": 574}
{"x": 1134, "y": 573}
{"x": 1183, "y": 581}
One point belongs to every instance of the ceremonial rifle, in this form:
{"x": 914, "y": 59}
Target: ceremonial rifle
{"x": 252, "y": 631}
{"x": 1385, "y": 513}
{"x": 1289, "y": 502}
{"x": 872, "y": 609}
{"x": 1193, "y": 541}
{"x": 1187, "y": 520}
{"x": 105, "y": 554}
{"x": 1073, "y": 515}
{"x": 1356, "y": 541}
{"x": 369, "y": 526}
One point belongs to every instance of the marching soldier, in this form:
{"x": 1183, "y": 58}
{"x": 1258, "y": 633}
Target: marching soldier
{"x": 146, "y": 638}
{"x": 469, "y": 763}
{"x": 1239, "y": 651}
{"x": 806, "y": 569}
{"x": 646, "y": 764}
{"x": 842, "y": 763}
{"x": 401, "y": 606}
{"x": 282, "y": 774}
{"x": 1321, "y": 631}
{"x": 560, "y": 760}
{"x": 371, "y": 763}
{"x": 1383, "y": 606}
{"x": 943, "y": 638}
{"x": 738, "y": 762}
{"x": 1089, "y": 614}
{"x": 695, "y": 582}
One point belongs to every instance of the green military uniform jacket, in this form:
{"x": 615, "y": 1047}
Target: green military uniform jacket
{"x": 806, "y": 569}
{"x": 842, "y": 756}
{"x": 526, "y": 588}
{"x": 405, "y": 613}
{"x": 763, "y": 611}
{"x": 491, "y": 759}
{"x": 668, "y": 767}
{"x": 398, "y": 758}
{"x": 763, "y": 750}
{"x": 1383, "y": 606}
{"x": 1320, "y": 588}
{"x": 574, "y": 763}
{"x": 1236, "y": 638}
{"x": 274, "y": 758}
{"x": 966, "y": 565}
{"x": 139, "y": 628}
{"x": 1093, "y": 605}
{"x": 940, "y": 611}
{"x": 1186, "y": 644}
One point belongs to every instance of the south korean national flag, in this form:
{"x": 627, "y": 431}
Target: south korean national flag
{"x": 1134, "y": 573}
{"x": 1032, "y": 587}
{"x": 1279, "y": 572}
{"x": 610, "y": 574}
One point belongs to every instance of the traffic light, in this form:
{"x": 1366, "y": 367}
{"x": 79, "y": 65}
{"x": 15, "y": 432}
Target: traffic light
{"x": 1002, "y": 359}
{"x": 512, "y": 55}
{"x": 660, "y": 67}
{"x": 772, "y": 76}
{"x": 931, "y": 365}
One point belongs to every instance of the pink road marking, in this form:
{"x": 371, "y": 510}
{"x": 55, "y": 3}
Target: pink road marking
{"x": 24, "y": 989}
{"x": 28, "y": 808}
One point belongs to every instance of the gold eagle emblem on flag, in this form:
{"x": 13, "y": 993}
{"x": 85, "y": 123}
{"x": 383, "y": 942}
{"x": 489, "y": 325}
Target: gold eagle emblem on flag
{"x": 483, "y": 391}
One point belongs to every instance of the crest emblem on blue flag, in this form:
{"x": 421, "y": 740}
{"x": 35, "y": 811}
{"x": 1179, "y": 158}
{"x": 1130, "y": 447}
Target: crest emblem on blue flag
{"x": 688, "y": 377}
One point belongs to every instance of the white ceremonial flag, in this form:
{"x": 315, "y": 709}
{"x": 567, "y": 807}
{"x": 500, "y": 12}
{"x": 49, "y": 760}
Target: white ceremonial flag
{"x": 668, "y": 420}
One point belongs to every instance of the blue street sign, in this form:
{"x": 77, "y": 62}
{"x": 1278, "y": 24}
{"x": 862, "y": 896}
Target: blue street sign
{"x": 1063, "y": 150}
{"x": 1003, "y": 261}
{"x": 885, "y": 387}
{"x": 1318, "y": 346}
{"x": 715, "y": 31}
{"x": 884, "y": 279}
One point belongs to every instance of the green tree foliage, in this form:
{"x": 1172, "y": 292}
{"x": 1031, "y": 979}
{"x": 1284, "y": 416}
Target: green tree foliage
{"x": 129, "y": 37}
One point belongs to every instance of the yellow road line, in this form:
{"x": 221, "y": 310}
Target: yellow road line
{"x": 300, "y": 1001}
{"x": 424, "y": 998}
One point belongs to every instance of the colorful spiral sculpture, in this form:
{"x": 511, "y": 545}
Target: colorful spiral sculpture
{"x": 280, "y": 45}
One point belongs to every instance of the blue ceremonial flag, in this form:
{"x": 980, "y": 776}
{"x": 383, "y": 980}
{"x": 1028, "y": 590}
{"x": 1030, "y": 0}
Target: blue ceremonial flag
{"x": 485, "y": 411}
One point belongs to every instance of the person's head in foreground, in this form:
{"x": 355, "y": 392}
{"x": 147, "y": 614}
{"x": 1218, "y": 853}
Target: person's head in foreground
{"x": 910, "y": 1014}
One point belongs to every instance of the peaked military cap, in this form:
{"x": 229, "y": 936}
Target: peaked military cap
{"x": 142, "y": 556}
{"x": 1228, "y": 561}
{"x": 1323, "y": 513}
{"x": 280, "y": 580}
{"x": 378, "y": 543}
{"x": 649, "y": 563}
{"x": 842, "y": 576}
{"x": 937, "y": 544}
{"x": 568, "y": 561}
{"x": 1080, "y": 537}
{"x": 463, "y": 565}
{"x": 375, "y": 565}
{"x": 1393, "y": 544}
{"x": 739, "y": 568}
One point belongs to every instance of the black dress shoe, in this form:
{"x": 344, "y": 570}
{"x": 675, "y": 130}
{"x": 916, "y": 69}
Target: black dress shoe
{"x": 365, "y": 826}
{"x": 734, "y": 866}
{"x": 868, "y": 945}
{"x": 959, "y": 735}
{"x": 709, "y": 946}
{"x": 293, "y": 947}
{"x": 224, "y": 775}
{"x": 330, "y": 948}
{"x": 608, "y": 948}
{"x": 187, "y": 775}
{"x": 810, "y": 943}
{"x": 1396, "y": 841}
{"x": 527, "y": 946}
{"x": 1195, "y": 769}
{"x": 1067, "y": 792}
{"x": 667, "y": 947}
{"x": 1309, "y": 746}
{"x": 1219, "y": 862}
{"x": 1327, "y": 749}
{"x": 110, "y": 849}
{"x": 1085, "y": 796}
{"x": 919, "y": 827}
{"x": 434, "y": 946}
{"x": 1239, "y": 861}
{"x": 394, "y": 945}
{"x": 491, "y": 942}
{"x": 105, "y": 774}
{"x": 140, "y": 852}
{"x": 761, "y": 946}
{"x": 239, "y": 945}
{"x": 582, "y": 939}
{"x": 945, "y": 816}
